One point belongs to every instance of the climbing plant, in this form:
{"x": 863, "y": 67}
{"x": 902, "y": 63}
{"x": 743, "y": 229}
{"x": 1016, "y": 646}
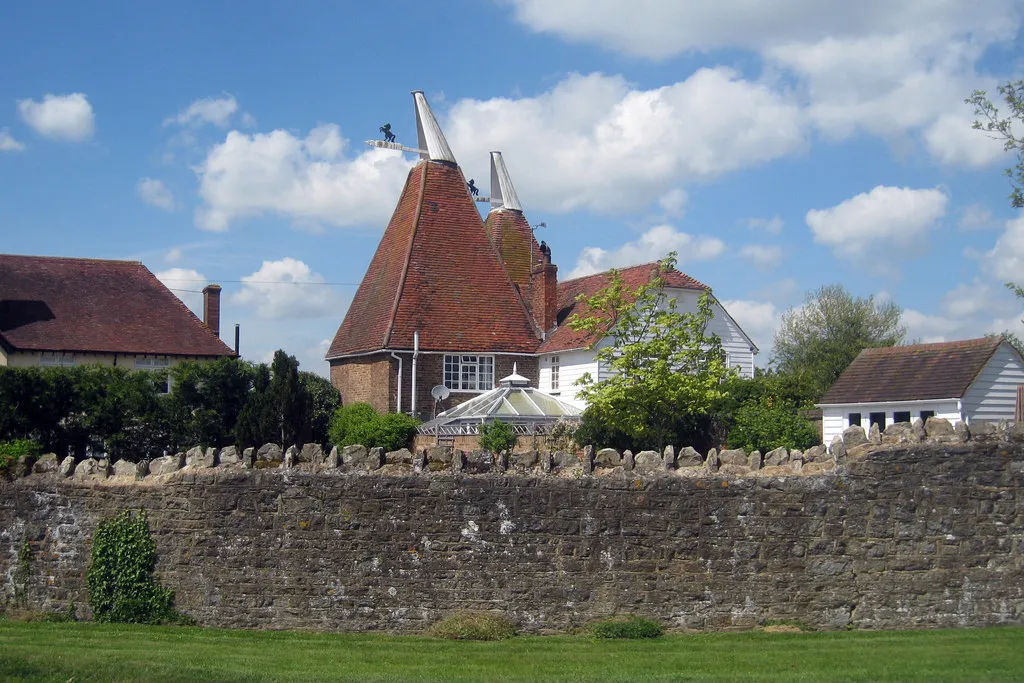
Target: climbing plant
{"x": 120, "y": 578}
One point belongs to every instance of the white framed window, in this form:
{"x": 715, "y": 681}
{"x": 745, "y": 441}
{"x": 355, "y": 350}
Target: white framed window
{"x": 555, "y": 367}
{"x": 156, "y": 365}
{"x": 57, "y": 360}
{"x": 469, "y": 373}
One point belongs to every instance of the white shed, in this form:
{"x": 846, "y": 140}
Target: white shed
{"x": 971, "y": 380}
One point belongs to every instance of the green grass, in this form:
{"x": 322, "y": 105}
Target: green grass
{"x": 106, "y": 652}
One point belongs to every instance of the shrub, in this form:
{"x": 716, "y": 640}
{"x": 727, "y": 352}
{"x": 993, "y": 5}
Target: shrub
{"x": 359, "y": 423}
{"x": 10, "y": 451}
{"x": 626, "y": 627}
{"x": 769, "y": 424}
{"x": 120, "y": 578}
{"x": 473, "y": 626}
{"x": 498, "y": 437}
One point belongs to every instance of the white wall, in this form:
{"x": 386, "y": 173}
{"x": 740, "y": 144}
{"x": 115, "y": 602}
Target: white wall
{"x": 993, "y": 395}
{"x": 572, "y": 366}
{"x": 734, "y": 343}
{"x": 835, "y": 418}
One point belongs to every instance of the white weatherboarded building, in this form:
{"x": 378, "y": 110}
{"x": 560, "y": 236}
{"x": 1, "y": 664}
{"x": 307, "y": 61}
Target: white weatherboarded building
{"x": 974, "y": 380}
{"x": 565, "y": 356}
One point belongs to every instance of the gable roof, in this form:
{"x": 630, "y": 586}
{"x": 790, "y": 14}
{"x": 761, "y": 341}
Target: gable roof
{"x": 436, "y": 272}
{"x": 916, "y": 372}
{"x": 91, "y": 305}
{"x": 565, "y": 338}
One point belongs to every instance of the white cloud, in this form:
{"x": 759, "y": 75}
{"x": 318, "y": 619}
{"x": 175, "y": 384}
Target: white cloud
{"x": 288, "y": 289}
{"x": 873, "y": 225}
{"x": 187, "y": 285}
{"x": 662, "y": 28}
{"x": 61, "y": 117}
{"x": 595, "y": 142}
{"x": 772, "y": 226}
{"x": 217, "y": 111}
{"x": 759, "y": 319}
{"x": 303, "y": 179}
{"x": 155, "y": 193}
{"x": 8, "y": 143}
{"x": 951, "y": 140}
{"x": 674, "y": 202}
{"x": 762, "y": 256}
{"x": 1006, "y": 259}
{"x": 976, "y": 217}
{"x": 781, "y": 292}
{"x": 174, "y": 254}
{"x": 653, "y": 245}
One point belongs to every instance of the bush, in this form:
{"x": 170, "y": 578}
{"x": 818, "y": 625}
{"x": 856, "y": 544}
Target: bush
{"x": 394, "y": 431}
{"x": 768, "y": 424}
{"x": 473, "y": 626}
{"x": 10, "y": 451}
{"x": 120, "y": 578}
{"x": 359, "y": 423}
{"x": 626, "y": 627}
{"x": 498, "y": 437}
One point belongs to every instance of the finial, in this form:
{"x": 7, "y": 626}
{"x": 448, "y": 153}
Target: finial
{"x": 431, "y": 138}
{"x": 503, "y": 194}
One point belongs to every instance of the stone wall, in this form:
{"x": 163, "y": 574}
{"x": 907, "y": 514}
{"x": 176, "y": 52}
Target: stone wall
{"x": 905, "y": 535}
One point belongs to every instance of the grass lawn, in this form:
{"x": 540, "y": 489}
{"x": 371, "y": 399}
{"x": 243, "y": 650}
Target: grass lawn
{"x": 101, "y": 652}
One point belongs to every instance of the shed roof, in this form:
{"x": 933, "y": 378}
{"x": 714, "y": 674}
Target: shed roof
{"x": 915, "y": 372}
{"x": 92, "y": 305}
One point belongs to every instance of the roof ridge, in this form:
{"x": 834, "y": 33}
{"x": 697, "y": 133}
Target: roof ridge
{"x": 72, "y": 258}
{"x": 976, "y": 342}
{"x": 408, "y": 254}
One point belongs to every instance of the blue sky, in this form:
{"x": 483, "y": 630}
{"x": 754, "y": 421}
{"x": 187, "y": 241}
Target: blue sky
{"x": 778, "y": 147}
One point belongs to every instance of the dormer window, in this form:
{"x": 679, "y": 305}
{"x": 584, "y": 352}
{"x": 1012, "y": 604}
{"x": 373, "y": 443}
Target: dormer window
{"x": 469, "y": 373}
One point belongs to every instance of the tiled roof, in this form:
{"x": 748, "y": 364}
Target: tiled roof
{"x": 512, "y": 237}
{"x": 907, "y": 373}
{"x": 83, "y": 305}
{"x": 435, "y": 272}
{"x": 565, "y": 338}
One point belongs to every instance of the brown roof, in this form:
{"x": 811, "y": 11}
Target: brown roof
{"x": 89, "y": 305}
{"x": 908, "y": 373}
{"x": 565, "y": 338}
{"x": 436, "y": 272}
{"x": 513, "y": 238}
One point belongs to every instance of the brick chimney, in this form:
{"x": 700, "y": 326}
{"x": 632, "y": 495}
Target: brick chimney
{"x": 544, "y": 295}
{"x": 211, "y": 308}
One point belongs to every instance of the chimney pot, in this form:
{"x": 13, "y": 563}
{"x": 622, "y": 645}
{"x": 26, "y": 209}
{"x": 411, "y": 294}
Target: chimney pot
{"x": 211, "y": 308}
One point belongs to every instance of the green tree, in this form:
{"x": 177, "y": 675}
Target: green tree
{"x": 359, "y": 423}
{"x": 288, "y": 398}
{"x": 817, "y": 341}
{"x": 257, "y": 422}
{"x": 498, "y": 437}
{"x": 664, "y": 368}
{"x": 991, "y": 121}
{"x": 207, "y": 399}
{"x": 323, "y": 399}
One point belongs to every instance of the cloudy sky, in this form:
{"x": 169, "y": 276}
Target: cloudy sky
{"x": 776, "y": 146}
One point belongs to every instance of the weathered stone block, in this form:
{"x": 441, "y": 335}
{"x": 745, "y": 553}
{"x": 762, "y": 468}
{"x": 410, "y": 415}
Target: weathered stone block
{"x": 525, "y": 460}
{"x": 291, "y": 456}
{"x": 46, "y": 464}
{"x": 669, "y": 457}
{"x": 733, "y": 456}
{"x": 838, "y": 449}
{"x": 689, "y": 457}
{"x": 23, "y": 466}
{"x": 403, "y": 456}
{"x": 563, "y": 460}
{"x": 961, "y": 432}
{"x": 333, "y": 460}
{"x": 457, "y": 458}
{"x": 441, "y": 454}
{"x": 546, "y": 462}
{"x": 874, "y": 434}
{"x": 816, "y": 453}
{"x": 854, "y": 436}
{"x": 358, "y": 457}
{"x": 754, "y": 460}
{"x": 141, "y": 470}
{"x": 67, "y": 466}
{"x": 270, "y": 452}
{"x": 248, "y": 458}
{"x": 229, "y": 456}
{"x": 981, "y": 431}
{"x": 123, "y": 468}
{"x": 313, "y": 453}
{"x": 713, "y": 462}
{"x": 917, "y": 427}
{"x": 607, "y": 457}
{"x": 501, "y": 462}
{"x": 91, "y": 467}
{"x": 648, "y": 461}
{"x": 200, "y": 458}
{"x": 897, "y": 432}
{"x": 419, "y": 461}
{"x": 776, "y": 457}
{"x": 588, "y": 459}
{"x": 938, "y": 429}
{"x": 167, "y": 464}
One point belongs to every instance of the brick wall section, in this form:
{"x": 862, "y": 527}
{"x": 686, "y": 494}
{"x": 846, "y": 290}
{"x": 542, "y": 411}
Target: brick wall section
{"x": 923, "y": 536}
{"x": 365, "y": 379}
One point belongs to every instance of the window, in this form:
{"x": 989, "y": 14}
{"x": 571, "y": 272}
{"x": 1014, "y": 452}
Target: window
{"x": 902, "y": 416}
{"x": 878, "y": 419}
{"x": 156, "y": 365}
{"x": 854, "y": 419}
{"x": 925, "y": 414}
{"x": 555, "y": 363}
{"x": 58, "y": 360}
{"x": 469, "y": 373}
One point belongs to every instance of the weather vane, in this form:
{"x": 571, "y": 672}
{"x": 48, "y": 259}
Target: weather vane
{"x": 388, "y": 135}
{"x": 473, "y": 189}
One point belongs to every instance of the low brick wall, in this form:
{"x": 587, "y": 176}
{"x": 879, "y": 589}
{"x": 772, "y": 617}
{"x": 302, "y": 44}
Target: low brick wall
{"x": 918, "y": 535}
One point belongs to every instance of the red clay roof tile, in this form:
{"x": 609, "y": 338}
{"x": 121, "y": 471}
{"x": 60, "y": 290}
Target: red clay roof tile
{"x": 565, "y": 338}
{"x": 91, "y": 305}
{"x": 435, "y": 272}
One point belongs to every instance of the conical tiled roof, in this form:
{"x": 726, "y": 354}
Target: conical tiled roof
{"x": 508, "y": 228}
{"x": 437, "y": 273}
